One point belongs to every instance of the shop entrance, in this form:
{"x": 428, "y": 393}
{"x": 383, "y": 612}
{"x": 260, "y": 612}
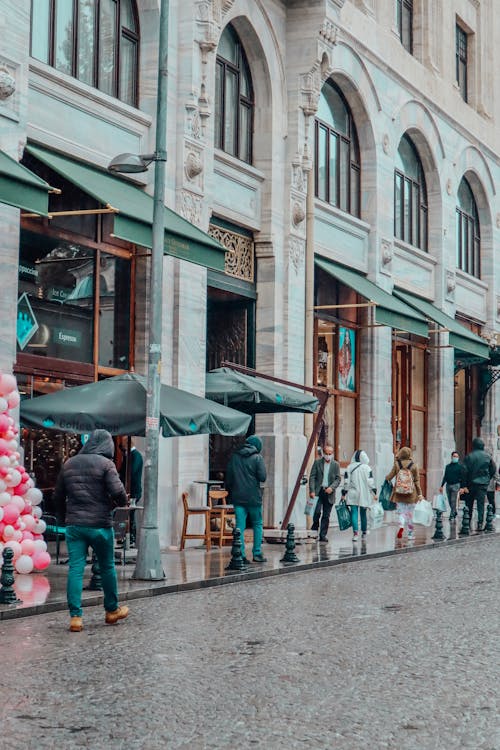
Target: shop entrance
{"x": 409, "y": 402}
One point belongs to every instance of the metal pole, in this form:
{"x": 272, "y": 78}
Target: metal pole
{"x": 148, "y": 565}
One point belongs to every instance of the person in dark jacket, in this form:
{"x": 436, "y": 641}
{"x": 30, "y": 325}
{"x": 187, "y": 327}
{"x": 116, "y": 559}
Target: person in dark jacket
{"x": 479, "y": 468}
{"x": 244, "y": 474}
{"x": 87, "y": 489}
{"x": 452, "y": 478}
{"x": 323, "y": 481}
{"x": 132, "y": 464}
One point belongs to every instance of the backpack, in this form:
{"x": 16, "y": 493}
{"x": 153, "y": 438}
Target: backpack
{"x": 404, "y": 480}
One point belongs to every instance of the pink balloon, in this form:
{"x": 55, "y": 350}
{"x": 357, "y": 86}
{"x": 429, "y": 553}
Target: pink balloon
{"x": 35, "y": 536}
{"x": 4, "y": 423}
{"x": 4, "y": 447}
{"x": 15, "y": 547}
{"x": 8, "y": 383}
{"x": 2, "y": 529}
{"x": 41, "y": 560}
{"x": 27, "y": 536}
{"x": 18, "y": 502}
{"x": 13, "y": 399}
{"x": 21, "y": 489}
{"x": 27, "y": 546}
{"x": 40, "y": 545}
{"x": 10, "y": 513}
{"x": 29, "y": 521}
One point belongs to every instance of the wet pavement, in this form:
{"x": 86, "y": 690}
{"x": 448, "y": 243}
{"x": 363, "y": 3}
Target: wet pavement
{"x": 196, "y": 568}
{"x": 393, "y": 653}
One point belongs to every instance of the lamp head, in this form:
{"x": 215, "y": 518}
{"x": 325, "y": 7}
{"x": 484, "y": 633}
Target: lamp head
{"x": 130, "y": 163}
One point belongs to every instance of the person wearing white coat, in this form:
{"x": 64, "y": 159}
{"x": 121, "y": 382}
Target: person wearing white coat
{"x": 359, "y": 490}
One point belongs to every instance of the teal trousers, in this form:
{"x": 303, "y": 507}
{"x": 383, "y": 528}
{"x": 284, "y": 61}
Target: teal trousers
{"x": 255, "y": 512}
{"x": 102, "y": 541}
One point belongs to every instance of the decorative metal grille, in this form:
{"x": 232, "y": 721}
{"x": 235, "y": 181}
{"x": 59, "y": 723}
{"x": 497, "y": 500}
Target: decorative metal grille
{"x": 240, "y": 255}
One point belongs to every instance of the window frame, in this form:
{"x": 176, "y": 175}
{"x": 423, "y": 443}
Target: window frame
{"x": 468, "y": 259}
{"x": 241, "y": 101}
{"x": 403, "y": 232}
{"x": 352, "y": 142}
{"x": 401, "y": 7}
{"x": 462, "y": 60}
{"x": 120, "y": 32}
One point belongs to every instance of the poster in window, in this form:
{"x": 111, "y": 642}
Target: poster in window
{"x": 347, "y": 359}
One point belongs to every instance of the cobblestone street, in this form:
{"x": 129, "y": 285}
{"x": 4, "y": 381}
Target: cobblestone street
{"x": 396, "y": 652}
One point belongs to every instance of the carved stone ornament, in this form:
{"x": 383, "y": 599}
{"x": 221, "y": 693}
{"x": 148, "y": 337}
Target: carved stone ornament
{"x": 329, "y": 31}
{"x": 386, "y": 143}
{"x": 387, "y": 252}
{"x": 190, "y": 207}
{"x": 193, "y": 166}
{"x": 7, "y": 84}
{"x": 240, "y": 256}
{"x": 298, "y": 213}
{"x": 297, "y": 253}
{"x": 451, "y": 282}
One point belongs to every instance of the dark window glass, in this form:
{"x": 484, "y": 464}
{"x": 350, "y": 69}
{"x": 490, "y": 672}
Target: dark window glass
{"x": 96, "y": 41}
{"x": 461, "y": 60}
{"x": 337, "y": 164}
{"x": 404, "y": 21}
{"x": 468, "y": 231}
{"x": 114, "y": 311}
{"x": 410, "y": 197}
{"x": 234, "y": 105}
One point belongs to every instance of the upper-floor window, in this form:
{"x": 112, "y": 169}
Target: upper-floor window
{"x": 410, "y": 196}
{"x": 404, "y": 22}
{"x": 96, "y": 41}
{"x": 468, "y": 231}
{"x": 337, "y": 163}
{"x": 234, "y": 102}
{"x": 461, "y": 44}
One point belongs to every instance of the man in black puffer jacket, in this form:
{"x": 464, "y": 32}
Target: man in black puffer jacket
{"x": 479, "y": 467}
{"x": 88, "y": 487}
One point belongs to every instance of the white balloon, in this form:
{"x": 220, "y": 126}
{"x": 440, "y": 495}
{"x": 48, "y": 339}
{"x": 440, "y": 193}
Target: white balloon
{"x": 1, "y": 513}
{"x": 15, "y": 547}
{"x": 24, "y": 564}
{"x": 5, "y": 497}
{"x": 13, "y": 478}
{"x": 37, "y": 511}
{"x": 13, "y": 445}
{"x": 3, "y": 486}
{"x": 8, "y": 532}
{"x": 18, "y": 502}
{"x": 3, "y": 404}
{"x": 40, "y": 545}
{"x": 13, "y": 461}
{"x": 24, "y": 583}
{"x": 29, "y": 522}
{"x": 18, "y": 535}
{"x": 34, "y": 496}
{"x": 40, "y": 527}
{"x": 4, "y": 461}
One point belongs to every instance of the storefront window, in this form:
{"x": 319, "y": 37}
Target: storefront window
{"x": 114, "y": 311}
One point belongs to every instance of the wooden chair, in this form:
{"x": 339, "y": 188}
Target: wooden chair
{"x": 221, "y": 511}
{"x": 200, "y": 510}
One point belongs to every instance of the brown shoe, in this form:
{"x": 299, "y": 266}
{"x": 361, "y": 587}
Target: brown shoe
{"x": 119, "y": 614}
{"x": 76, "y": 624}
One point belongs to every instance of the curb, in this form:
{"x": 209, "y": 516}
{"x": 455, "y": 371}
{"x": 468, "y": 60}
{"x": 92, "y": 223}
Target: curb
{"x": 237, "y": 577}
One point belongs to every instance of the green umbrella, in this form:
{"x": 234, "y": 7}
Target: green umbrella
{"x": 255, "y": 395}
{"x": 118, "y": 405}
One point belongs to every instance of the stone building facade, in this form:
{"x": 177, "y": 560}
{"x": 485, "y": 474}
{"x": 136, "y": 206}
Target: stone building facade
{"x": 347, "y": 152}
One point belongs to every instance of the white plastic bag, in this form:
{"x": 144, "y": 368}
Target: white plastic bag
{"x": 422, "y": 513}
{"x": 375, "y": 516}
{"x": 440, "y": 503}
{"x": 311, "y": 503}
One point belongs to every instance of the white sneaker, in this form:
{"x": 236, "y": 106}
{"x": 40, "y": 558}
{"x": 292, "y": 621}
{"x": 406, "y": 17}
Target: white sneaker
{"x": 355, "y": 536}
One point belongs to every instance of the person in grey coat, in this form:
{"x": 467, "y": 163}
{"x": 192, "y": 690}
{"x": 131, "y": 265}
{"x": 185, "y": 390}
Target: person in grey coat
{"x": 479, "y": 468}
{"x": 323, "y": 481}
{"x": 87, "y": 489}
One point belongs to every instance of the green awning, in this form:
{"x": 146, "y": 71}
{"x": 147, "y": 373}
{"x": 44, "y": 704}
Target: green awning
{"x": 21, "y": 188}
{"x": 134, "y": 207}
{"x": 389, "y": 310}
{"x": 460, "y": 338}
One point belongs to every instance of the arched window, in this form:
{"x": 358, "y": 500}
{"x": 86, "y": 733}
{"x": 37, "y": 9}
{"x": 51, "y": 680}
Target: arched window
{"x": 234, "y": 102}
{"x": 96, "y": 41}
{"x": 337, "y": 170}
{"x": 468, "y": 231}
{"x": 410, "y": 197}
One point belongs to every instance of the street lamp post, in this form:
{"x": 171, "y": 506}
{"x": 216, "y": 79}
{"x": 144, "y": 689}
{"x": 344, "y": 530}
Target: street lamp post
{"x": 148, "y": 565}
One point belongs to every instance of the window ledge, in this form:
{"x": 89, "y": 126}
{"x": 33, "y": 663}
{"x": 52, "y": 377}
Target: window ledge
{"x": 471, "y": 281}
{"x": 241, "y": 166}
{"x": 344, "y": 215}
{"x": 50, "y": 81}
{"x": 414, "y": 252}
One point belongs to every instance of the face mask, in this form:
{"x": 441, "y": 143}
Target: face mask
{"x": 454, "y": 459}
{"x": 327, "y": 459}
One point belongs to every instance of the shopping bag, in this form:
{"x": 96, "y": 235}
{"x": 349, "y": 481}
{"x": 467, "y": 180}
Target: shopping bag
{"x": 375, "y": 516}
{"x": 311, "y": 505}
{"x": 385, "y": 496}
{"x": 343, "y": 515}
{"x": 440, "y": 502}
{"x": 422, "y": 513}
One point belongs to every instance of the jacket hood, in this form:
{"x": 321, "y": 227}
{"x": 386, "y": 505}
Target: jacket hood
{"x": 255, "y": 441}
{"x": 247, "y": 450}
{"x": 477, "y": 444}
{"x": 100, "y": 442}
{"x": 404, "y": 454}
{"x": 360, "y": 457}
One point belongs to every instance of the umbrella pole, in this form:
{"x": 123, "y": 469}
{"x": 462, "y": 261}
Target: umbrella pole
{"x": 303, "y": 466}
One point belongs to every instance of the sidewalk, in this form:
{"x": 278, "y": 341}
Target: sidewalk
{"x": 195, "y": 568}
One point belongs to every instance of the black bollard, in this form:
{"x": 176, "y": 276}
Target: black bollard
{"x": 290, "y": 556}
{"x": 465, "y": 529}
{"x": 95, "y": 583}
{"x": 236, "y": 562}
{"x": 489, "y": 518}
{"x": 438, "y": 533}
{"x": 7, "y": 593}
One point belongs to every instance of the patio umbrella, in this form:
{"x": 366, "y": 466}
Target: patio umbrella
{"x": 118, "y": 404}
{"x": 255, "y": 395}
